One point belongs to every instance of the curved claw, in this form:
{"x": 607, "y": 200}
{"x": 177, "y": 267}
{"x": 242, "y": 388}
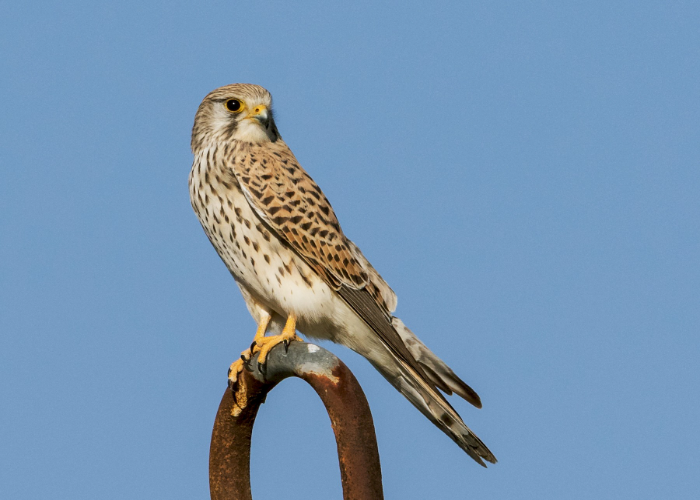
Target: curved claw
{"x": 246, "y": 357}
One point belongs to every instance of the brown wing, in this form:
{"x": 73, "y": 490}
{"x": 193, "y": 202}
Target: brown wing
{"x": 295, "y": 208}
{"x": 292, "y": 204}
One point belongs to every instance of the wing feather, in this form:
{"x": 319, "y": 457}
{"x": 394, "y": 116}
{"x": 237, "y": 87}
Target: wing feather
{"x": 293, "y": 205}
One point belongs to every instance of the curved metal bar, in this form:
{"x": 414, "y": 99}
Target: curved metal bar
{"x": 229, "y": 455}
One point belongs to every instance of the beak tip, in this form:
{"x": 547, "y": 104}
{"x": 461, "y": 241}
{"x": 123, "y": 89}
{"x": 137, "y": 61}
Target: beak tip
{"x": 263, "y": 119}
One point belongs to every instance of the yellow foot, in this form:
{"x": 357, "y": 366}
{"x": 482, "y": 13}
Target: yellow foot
{"x": 237, "y": 385}
{"x": 264, "y": 345}
{"x": 235, "y": 381}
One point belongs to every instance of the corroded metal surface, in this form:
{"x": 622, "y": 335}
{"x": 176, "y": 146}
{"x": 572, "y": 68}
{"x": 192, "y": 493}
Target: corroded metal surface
{"x": 229, "y": 457}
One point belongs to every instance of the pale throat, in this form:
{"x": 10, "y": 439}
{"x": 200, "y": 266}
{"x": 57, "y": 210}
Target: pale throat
{"x": 248, "y": 130}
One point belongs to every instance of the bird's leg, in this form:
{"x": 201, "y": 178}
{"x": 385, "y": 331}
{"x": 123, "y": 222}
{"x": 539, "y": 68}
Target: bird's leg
{"x": 259, "y": 334}
{"x": 265, "y": 344}
{"x": 240, "y": 396}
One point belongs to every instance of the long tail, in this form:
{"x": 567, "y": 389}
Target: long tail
{"x": 436, "y": 369}
{"x": 423, "y": 395}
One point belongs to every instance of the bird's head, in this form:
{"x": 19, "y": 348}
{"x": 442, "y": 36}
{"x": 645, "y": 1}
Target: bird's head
{"x": 238, "y": 112}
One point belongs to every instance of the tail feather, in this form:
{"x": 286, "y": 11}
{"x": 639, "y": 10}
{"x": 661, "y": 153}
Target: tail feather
{"x": 424, "y": 396}
{"x": 436, "y": 369}
{"x": 439, "y": 412}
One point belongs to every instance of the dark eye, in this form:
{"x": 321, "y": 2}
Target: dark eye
{"x": 233, "y": 105}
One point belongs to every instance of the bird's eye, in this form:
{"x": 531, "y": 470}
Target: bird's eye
{"x": 234, "y": 105}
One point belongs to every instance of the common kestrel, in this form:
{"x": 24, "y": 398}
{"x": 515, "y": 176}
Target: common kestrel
{"x": 279, "y": 237}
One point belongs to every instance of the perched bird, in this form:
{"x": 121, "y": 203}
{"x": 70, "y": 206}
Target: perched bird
{"x": 279, "y": 237}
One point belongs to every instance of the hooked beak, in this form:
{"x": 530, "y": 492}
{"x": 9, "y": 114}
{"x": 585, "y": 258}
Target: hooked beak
{"x": 260, "y": 113}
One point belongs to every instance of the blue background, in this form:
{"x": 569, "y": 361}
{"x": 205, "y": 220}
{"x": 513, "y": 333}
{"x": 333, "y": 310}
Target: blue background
{"x": 524, "y": 174}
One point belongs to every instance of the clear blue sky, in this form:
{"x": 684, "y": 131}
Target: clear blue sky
{"x": 525, "y": 175}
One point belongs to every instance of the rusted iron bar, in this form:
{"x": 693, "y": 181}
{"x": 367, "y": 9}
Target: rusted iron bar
{"x": 229, "y": 455}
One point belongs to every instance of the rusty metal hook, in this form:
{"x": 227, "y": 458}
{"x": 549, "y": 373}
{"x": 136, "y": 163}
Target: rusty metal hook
{"x": 229, "y": 454}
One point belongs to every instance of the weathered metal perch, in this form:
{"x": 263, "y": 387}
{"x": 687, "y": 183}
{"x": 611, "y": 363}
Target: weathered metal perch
{"x": 229, "y": 455}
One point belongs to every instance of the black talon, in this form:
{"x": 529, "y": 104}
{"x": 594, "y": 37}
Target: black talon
{"x": 252, "y": 345}
{"x": 286, "y": 345}
{"x": 246, "y": 363}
